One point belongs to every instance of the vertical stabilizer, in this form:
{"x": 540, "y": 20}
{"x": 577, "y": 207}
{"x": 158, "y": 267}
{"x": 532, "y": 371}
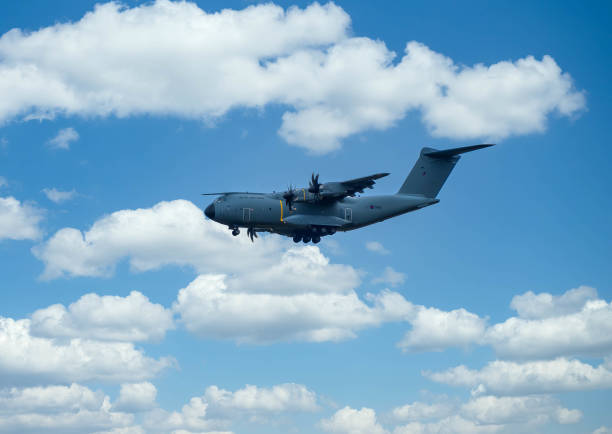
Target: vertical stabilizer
{"x": 432, "y": 169}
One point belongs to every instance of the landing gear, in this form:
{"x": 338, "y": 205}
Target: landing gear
{"x": 316, "y": 239}
{"x": 251, "y": 232}
{"x": 297, "y": 238}
{"x": 306, "y": 239}
{"x": 236, "y": 232}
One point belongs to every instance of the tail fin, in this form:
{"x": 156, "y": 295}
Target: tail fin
{"x": 431, "y": 170}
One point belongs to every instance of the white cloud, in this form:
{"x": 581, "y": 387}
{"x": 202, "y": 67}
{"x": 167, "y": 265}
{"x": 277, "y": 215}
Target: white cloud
{"x": 518, "y": 409}
{"x": 483, "y": 414}
{"x": 28, "y": 359}
{"x": 49, "y": 399}
{"x": 59, "y": 196}
{"x": 63, "y": 139}
{"x": 19, "y": 221}
{"x": 134, "y": 429}
{"x": 170, "y": 233}
{"x": 297, "y": 271}
{"x": 435, "y": 330}
{"x": 512, "y": 378}
{"x": 209, "y": 308}
{"x": 253, "y": 399}
{"x": 351, "y": 421}
{"x": 418, "y": 411}
{"x": 376, "y": 247}
{"x": 451, "y": 425}
{"x": 602, "y": 430}
{"x": 391, "y": 277}
{"x": 218, "y": 408}
{"x": 333, "y": 85}
{"x": 59, "y": 409}
{"x": 575, "y": 323}
{"x": 135, "y": 397}
{"x": 545, "y": 305}
{"x": 105, "y": 318}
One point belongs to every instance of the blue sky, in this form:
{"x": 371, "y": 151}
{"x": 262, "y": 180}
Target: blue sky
{"x": 488, "y": 312}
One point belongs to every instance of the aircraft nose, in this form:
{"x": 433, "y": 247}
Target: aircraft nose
{"x": 210, "y": 211}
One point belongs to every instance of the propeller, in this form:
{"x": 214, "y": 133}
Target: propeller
{"x": 251, "y": 232}
{"x": 289, "y": 197}
{"x": 315, "y": 187}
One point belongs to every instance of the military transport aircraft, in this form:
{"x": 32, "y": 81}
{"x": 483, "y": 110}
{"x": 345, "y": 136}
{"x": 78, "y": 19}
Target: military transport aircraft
{"x": 307, "y": 214}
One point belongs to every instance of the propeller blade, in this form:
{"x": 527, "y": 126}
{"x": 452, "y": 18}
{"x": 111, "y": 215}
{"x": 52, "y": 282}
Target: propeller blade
{"x": 314, "y": 187}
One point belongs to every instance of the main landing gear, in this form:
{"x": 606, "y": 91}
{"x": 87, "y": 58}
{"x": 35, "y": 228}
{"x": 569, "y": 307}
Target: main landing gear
{"x": 313, "y": 235}
{"x": 235, "y": 230}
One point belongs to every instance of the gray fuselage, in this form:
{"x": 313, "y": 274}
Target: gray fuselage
{"x": 269, "y": 212}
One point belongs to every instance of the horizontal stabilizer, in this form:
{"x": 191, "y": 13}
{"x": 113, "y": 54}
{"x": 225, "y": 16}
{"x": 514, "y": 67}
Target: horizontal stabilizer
{"x": 447, "y": 153}
{"x": 314, "y": 220}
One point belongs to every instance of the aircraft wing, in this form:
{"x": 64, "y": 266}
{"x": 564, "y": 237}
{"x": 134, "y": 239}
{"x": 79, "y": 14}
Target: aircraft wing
{"x": 357, "y": 185}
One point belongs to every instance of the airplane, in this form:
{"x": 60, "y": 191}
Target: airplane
{"x": 307, "y": 214}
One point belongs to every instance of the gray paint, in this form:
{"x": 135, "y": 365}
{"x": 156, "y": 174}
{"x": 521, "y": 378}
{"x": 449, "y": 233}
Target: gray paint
{"x": 335, "y": 208}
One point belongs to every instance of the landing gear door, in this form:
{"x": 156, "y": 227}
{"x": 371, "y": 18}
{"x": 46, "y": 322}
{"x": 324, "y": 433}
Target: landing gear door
{"x": 348, "y": 215}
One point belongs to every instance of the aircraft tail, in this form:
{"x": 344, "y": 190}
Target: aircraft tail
{"x": 431, "y": 170}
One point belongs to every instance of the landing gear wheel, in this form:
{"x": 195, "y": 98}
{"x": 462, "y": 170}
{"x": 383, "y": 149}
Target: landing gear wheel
{"x": 306, "y": 239}
{"x": 316, "y": 239}
{"x": 235, "y": 232}
{"x": 297, "y": 239}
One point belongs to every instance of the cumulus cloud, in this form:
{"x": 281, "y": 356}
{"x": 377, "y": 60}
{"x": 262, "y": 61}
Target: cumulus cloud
{"x": 19, "y": 221}
{"x": 105, "y": 318}
{"x": 59, "y": 409}
{"x": 63, "y": 139}
{"x": 518, "y": 409}
{"x": 352, "y": 421}
{"x": 217, "y": 408}
{"x": 453, "y": 425}
{"x": 545, "y": 305}
{"x": 376, "y": 247}
{"x": 574, "y": 323}
{"x": 27, "y": 359}
{"x": 58, "y": 196}
{"x": 436, "y": 330}
{"x": 135, "y": 397}
{"x": 191, "y": 419}
{"x": 418, "y": 411}
{"x": 208, "y": 308}
{"x": 253, "y": 399}
{"x": 485, "y": 414}
{"x": 333, "y": 85}
{"x": 513, "y": 378}
{"x": 390, "y": 277}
